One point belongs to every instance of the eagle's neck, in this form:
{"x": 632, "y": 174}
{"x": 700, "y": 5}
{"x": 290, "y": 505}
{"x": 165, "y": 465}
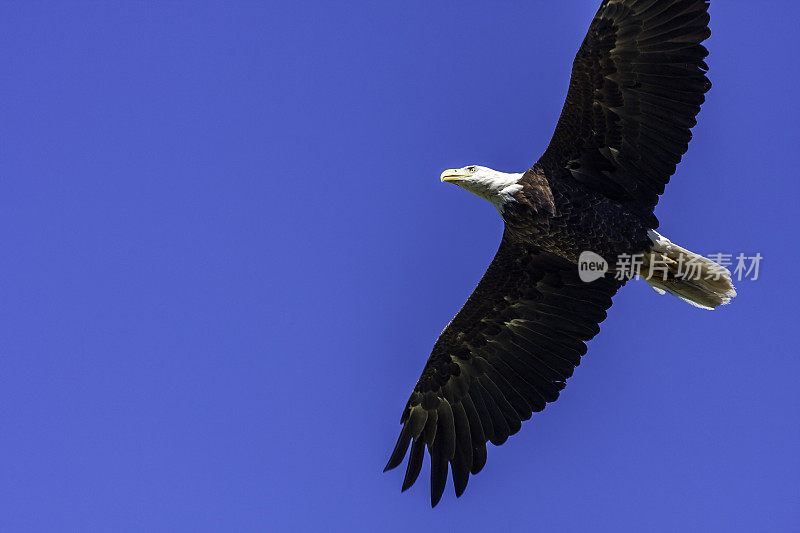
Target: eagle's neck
{"x": 499, "y": 189}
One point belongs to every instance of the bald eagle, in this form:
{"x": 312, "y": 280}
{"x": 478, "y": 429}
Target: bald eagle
{"x": 637, "y": 84}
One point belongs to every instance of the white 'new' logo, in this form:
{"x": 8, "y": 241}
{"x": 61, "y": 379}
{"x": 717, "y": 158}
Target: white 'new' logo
{"x": 591, "y": 266}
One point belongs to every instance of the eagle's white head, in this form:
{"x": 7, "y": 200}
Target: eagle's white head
{"x": 494, "y": 186}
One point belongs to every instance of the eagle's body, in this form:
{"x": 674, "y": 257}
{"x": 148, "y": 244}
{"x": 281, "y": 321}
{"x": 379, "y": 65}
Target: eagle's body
{"x": 553, "y": 212}
{"x": 637, "y": 84}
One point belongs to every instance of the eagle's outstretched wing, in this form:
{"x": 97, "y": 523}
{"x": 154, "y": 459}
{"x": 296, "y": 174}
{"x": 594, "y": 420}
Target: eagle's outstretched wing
{"x": 637, "y": 84}
{"x": 505, "y": 355}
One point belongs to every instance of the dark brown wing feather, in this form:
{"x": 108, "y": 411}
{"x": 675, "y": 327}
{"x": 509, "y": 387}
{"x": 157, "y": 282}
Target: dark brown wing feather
{"x": 637, "y": 84}
{"x": 505, "y": 355}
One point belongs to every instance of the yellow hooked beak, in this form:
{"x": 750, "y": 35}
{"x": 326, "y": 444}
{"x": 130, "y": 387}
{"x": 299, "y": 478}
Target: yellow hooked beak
{"x": 453, "y": 174}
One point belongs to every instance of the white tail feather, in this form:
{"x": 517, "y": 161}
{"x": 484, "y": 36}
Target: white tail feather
{"x": 691, "y": 277}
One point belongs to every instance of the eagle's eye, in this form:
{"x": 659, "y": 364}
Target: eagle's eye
{"x": 473, "y": 170}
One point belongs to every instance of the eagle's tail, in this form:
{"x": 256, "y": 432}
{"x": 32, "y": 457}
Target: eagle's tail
{"x": 691, "y": 277}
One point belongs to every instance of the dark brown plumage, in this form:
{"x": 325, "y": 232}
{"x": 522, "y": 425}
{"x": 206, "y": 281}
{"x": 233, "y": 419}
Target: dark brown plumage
{"x": 637, "y": 84}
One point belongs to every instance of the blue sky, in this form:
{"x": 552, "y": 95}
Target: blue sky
{"x": 227, "y": 254}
